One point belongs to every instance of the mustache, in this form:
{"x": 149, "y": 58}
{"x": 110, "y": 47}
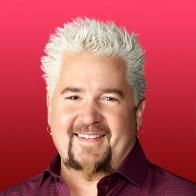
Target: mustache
{"x": 83, "y": 128}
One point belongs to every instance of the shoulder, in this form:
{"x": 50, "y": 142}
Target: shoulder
{"x": 27, "y": 187}
{"x": 163, "y": 180}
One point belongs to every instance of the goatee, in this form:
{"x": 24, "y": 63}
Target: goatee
{"x": 88, "y": 167}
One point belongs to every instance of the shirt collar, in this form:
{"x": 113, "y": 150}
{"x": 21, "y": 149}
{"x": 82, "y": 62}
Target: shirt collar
{"x": 135, "y": 165}
{"x": 53, "y": 169}
{"x": 133, "y": 168}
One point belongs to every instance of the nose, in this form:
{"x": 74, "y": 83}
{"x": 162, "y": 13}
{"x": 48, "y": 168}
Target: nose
{"x": 90, "y": 113}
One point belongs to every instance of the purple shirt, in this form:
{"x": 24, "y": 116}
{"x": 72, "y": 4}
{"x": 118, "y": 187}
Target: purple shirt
{"x": 136, "y": 176}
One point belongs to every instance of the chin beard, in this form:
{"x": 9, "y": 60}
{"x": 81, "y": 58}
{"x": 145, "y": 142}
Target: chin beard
{"x": 89, "y": 167}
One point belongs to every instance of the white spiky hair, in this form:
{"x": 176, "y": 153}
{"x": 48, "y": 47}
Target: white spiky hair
{"x": 100, "y": 38}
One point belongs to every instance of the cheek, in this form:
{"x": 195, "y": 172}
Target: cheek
{"x": 122, "y": 125}
{"x": 61, "y": 124}
{"x": 122, "y": 120}
{"x": 61, "y": 119}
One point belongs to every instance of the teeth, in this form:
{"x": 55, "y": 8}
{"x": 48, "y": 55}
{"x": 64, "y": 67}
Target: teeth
{"x": 89, "y": 136}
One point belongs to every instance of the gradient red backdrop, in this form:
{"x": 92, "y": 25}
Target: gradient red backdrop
{"x": 167, "y": 32}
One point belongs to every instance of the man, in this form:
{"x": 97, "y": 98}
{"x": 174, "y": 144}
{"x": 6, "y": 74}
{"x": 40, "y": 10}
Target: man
{"x": 95, "y": 96}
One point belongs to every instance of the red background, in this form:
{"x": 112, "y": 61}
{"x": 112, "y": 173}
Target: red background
{"x": 167, "y": 32}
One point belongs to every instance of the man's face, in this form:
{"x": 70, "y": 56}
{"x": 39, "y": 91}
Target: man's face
{"x": 92, "y": 113}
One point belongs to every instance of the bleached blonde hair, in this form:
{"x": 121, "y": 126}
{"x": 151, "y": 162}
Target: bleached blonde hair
{"x": 100, "y": 38}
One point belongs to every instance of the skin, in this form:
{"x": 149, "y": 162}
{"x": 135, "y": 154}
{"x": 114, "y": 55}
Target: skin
{"x": 92, "y": 90}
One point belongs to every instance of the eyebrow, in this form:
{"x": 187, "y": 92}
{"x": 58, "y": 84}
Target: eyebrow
{"x": 113, "y": 90}
{"x": 71, "y": 89}
{"x": 103, "y": 90}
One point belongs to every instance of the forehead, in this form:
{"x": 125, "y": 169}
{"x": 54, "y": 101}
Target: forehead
{"x": 87, "y": 69}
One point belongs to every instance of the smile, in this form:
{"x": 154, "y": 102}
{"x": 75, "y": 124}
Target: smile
{"x": 89, "y": 137}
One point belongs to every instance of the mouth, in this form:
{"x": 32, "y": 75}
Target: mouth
{"x": 90, "y": 137}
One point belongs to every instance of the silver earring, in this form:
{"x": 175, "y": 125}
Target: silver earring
{"x": 48, "y": 130}
{"x": 139, "y": 132}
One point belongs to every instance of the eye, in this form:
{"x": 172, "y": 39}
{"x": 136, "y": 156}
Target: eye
{"x": 73, "y": 97}
{"x": 110, "y": 99}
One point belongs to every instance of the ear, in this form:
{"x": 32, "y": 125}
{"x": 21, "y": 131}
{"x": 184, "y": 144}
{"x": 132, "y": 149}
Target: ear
{"x": 48, "y": 102}
{"x": 140, "y": 112}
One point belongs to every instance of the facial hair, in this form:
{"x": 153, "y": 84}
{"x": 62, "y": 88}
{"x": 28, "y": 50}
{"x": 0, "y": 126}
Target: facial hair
{"x": 88, "y": 167}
